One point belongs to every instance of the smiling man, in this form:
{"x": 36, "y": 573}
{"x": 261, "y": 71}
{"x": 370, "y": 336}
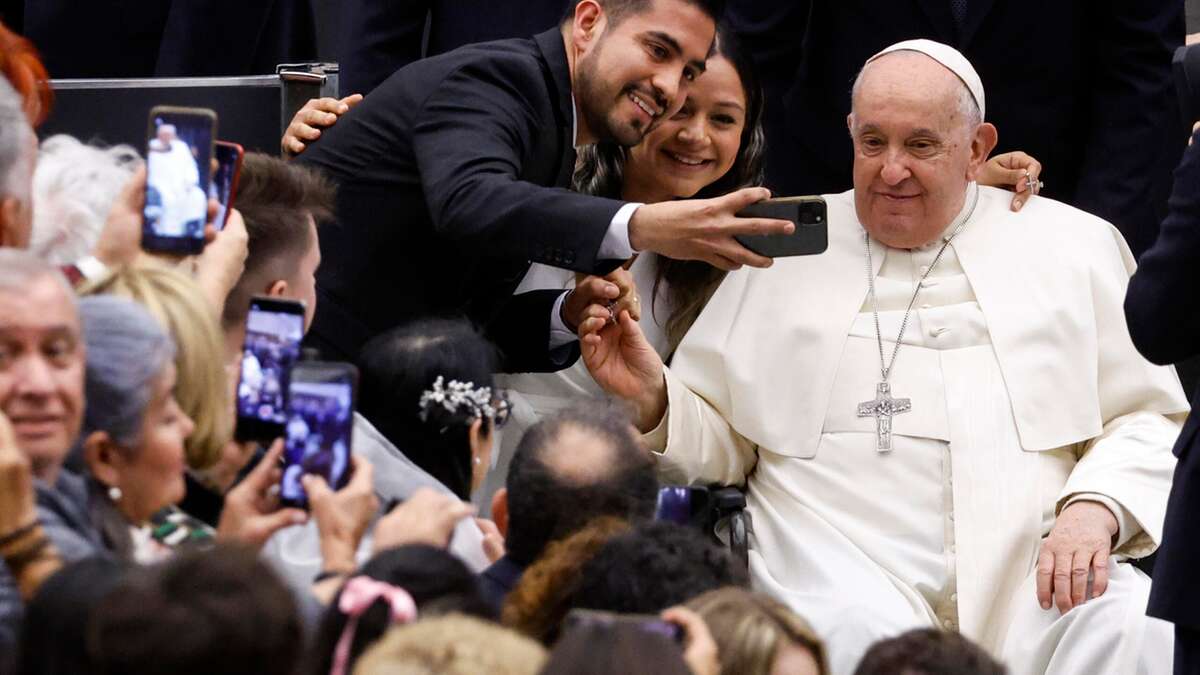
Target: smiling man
{"x": 942, "y": 420}
{"x": 452, "y": 177}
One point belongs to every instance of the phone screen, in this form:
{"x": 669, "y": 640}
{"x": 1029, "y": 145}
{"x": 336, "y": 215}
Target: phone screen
{"x": 178, "y": 156}
{"x": 319, "y": 424}
{"x": 682, "y": 505}
{"x": 227, "y": 156}
{"x": 274, "y": 330}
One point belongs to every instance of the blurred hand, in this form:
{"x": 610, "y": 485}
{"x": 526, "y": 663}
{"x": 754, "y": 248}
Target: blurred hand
{"x": 251, "y": 513}
{"x": 317, "y": 114}
{"x": 699, "y": 649}
{"x": 120, "y": 241}
{"x": 17, "y": 507}
{"x": 493, "y": 541}
{"x": 1013, "y": 171}
{"x": 427, "y": 517}
{"x": 221, "y": 264}
{"x": 602, "y": 297}
{"x": 703, "y": 229}
{"x": 625, "y": 364}
{"x": 342, "y": 517}
{"x": 1078, "y": 547}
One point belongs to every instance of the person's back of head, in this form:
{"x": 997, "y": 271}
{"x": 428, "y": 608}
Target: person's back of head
{"x": 18, "y": 157}
{"x": 758, "y": 635}
{"x": 216, "y": 611}
{"x": 603, "y": 648}
{"x": 576, "y": 465}
{"x": 400, "y": 366}
{"x": 928, "y": 651}
{"x": 74, "y": 187}
{"x": 654, "y": 566}
{"x": 281, "y": 203}
{"x": 452, "y": 645}
{"x": 437, "y": 581}
{"x": 54, "y": 631}
{"x": 203, "y": 389}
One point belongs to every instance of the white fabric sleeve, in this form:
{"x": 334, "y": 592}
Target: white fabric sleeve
{"x": 615, "y": 245}
{"x": 560, "y": 335}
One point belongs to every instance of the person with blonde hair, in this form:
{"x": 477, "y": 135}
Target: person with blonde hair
{"x": 204, "y": 392}
{"x": 452, "y": 645}
{"x": 758, "y": 635}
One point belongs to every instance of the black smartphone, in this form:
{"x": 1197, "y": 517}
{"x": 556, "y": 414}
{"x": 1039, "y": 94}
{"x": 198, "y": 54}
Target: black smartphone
{"x": 179, "y": 151}
{"x": 274, "y": 331}
{"x": 812, "y": 227}
{"x": 320, "y": 421}
{"x": 226, "y": 172}
{"x": 682, "y": 504}
{"x": 579, "y": 618}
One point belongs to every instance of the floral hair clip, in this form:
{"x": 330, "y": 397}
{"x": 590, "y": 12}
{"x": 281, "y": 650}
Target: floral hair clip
{"x": 464, "y": 397}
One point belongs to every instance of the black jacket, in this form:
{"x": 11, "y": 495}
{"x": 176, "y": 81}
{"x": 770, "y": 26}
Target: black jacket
{"x": 1084, "y": 86}
{"x": 381, "y": 36}
{"x": 452, "y": 178}
{"x": 1164, "y": 322}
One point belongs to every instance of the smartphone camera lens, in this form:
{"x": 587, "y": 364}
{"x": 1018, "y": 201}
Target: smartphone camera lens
{"x": 811, "y": 215}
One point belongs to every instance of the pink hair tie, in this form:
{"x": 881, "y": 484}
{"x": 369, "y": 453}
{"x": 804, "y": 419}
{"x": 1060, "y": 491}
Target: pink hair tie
{"x": 359, "y": 594}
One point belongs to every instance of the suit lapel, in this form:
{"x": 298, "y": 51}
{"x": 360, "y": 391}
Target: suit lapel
{"x": 558, "y": 79}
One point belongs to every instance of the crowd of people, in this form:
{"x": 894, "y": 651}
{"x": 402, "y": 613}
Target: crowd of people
{"x": 948, "y": 450}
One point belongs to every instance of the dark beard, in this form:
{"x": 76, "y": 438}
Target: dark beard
{"x": 594, "y": 105}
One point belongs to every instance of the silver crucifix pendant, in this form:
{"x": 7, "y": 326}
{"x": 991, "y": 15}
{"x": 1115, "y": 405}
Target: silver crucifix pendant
{"x": 882, "y": 409}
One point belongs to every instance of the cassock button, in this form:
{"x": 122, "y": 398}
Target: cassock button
{"x": 954, "y": 597}
{"x": 924, "y": 269}
{"x": 949, "y": 624}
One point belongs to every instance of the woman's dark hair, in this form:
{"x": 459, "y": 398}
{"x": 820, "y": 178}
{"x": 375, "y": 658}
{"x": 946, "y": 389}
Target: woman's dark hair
{"x": 401, "y": 364}
{"x": 438, "y": 582}
{"x": 54, "y": 632}
{"x": 690, "y": 283}
{"x": 594, "y": 648}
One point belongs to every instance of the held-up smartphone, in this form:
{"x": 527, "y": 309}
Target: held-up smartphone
{"x": 179, "y": 151}
{"x": 682, "y": 504}
{"x": 228, "y": 170}
{"x": 644, "y": 622}
{"x": 320, "y": 419}
{"x": 274, "y": 329}
{"x": 812, "y": 228}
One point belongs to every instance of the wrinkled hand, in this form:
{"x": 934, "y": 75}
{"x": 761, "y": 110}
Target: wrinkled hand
{"x": 317, "y": 114}
{"x": 699, "y": 648}
{"x": 703, "y": 229}
{"x": 222, "y": 262}
{"x": 493, "y": 541}
{"x": 251, "y": 513}
{"x": 17, "y": 507}
{"x": 1079, "y": 543}
{"x": 1013, "y": 171}
{"x": 343, "y": 516}
{"x": 625, "y": 364}
{"x": 120, "y": 241}
{"x": 427, "y": 517}
{"x": 601, "y": 297}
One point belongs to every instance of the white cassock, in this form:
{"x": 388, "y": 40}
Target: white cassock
{"x": 1026, "y": 394}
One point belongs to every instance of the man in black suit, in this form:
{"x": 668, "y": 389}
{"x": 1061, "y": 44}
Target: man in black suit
{"x": 1084, "y": 87}
{"x": 1160, "y": 308}
{"x": 381, "y": 36}
{"x": 453, "y": 174}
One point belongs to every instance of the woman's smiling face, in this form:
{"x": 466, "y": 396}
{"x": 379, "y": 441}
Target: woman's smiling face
{"x": 699, "y": 144}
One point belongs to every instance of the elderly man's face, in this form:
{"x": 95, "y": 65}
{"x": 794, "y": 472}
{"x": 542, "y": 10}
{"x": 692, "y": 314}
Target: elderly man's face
{"x": 914, "y": 150}
{"x": 41, "y": 371}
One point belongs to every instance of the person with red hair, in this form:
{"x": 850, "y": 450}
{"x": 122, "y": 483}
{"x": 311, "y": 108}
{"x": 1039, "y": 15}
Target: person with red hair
{"x": 21, "y": 65}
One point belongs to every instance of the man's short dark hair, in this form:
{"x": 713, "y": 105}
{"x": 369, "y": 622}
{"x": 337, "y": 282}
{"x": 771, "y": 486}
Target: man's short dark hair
{"x": 216, "y": 611}
{"x": 928, "y": 651}
{"x": 544, "y": 506}
{"x": 618, "y": 10}
{"x": 275, "y": 198}
{"x": 654, "y": 566}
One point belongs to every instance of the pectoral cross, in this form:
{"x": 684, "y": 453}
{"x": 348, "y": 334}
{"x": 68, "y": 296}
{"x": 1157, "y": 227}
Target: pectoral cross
{"x": 882, "y": 409}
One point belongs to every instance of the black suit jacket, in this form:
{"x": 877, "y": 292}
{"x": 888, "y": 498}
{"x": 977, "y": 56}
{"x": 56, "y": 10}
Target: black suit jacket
{"x": 382, "y": 36}
{"x": 452, "y": 178}
{"x": 144, "y": 38}
{"x": 1160, "y": 308}
{"x": 1084, "y": 86}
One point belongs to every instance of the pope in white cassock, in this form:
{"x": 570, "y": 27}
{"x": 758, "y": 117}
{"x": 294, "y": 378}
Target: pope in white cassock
{"x": 941, "y": 421}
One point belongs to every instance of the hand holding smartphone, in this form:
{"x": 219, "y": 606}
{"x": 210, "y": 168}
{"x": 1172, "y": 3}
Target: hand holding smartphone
{"x": 812, "y": 227}
{"x": 228, "y": 170}
{"x": 274, "y": 330}
{"x": 179, "y": 150}
{"x": 320, "y": 422}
